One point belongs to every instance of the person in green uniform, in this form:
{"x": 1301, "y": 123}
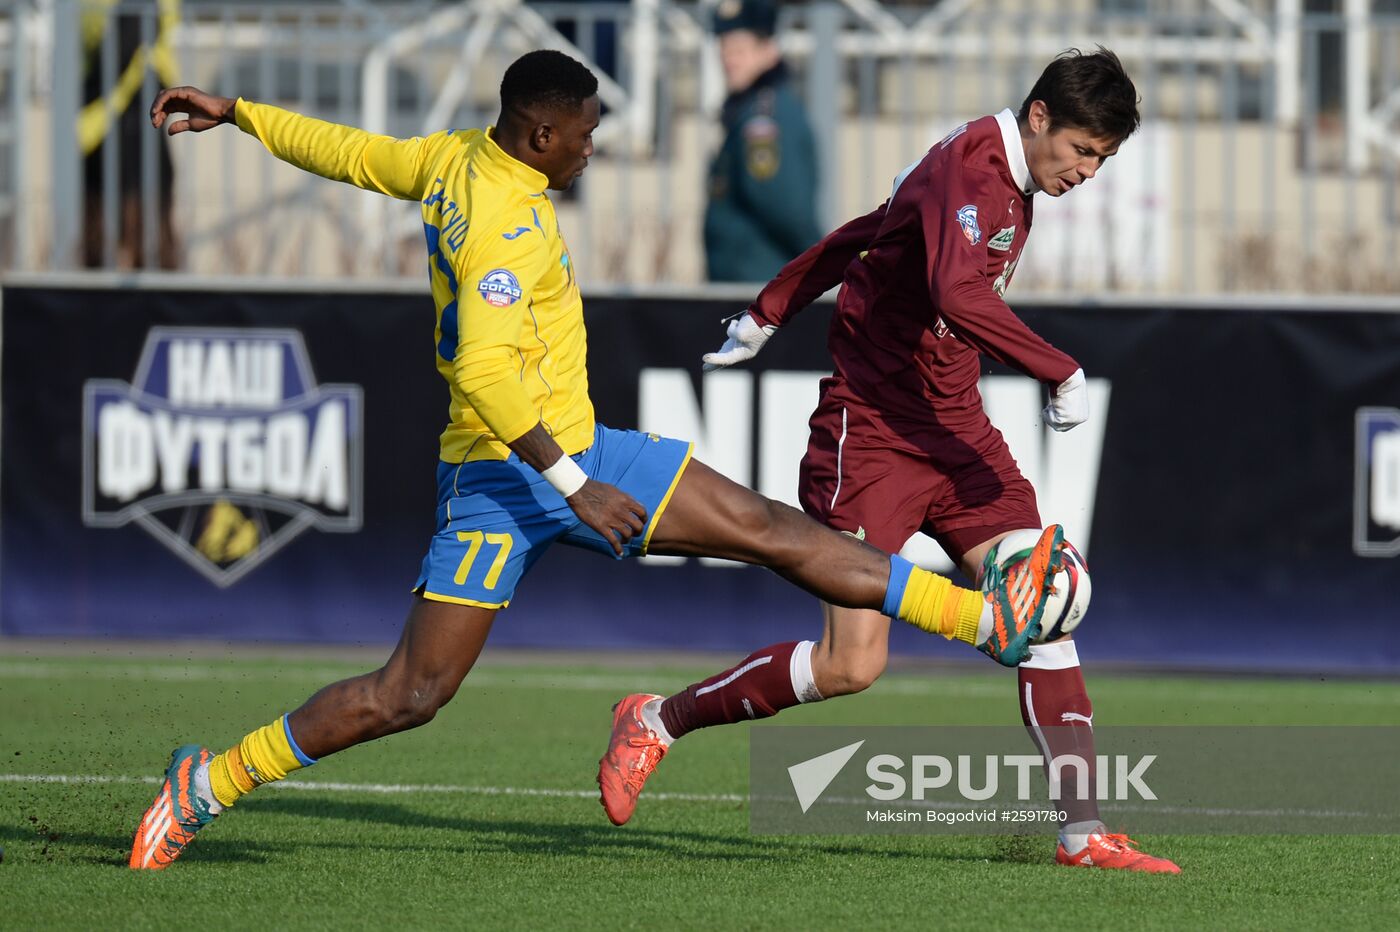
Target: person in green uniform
{"x": 762, "y": 208}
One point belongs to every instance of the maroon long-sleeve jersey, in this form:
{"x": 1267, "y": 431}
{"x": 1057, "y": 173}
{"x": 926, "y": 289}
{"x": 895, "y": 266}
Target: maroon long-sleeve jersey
{"x": 922, "y": 279}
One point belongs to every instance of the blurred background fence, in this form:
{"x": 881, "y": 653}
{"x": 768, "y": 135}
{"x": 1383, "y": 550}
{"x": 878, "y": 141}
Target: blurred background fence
{"x": 1269, "y": 158}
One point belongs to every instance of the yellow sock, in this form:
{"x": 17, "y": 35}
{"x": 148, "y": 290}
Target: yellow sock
{"x": 263, "y": 756}
{"x": 933, "y": 603}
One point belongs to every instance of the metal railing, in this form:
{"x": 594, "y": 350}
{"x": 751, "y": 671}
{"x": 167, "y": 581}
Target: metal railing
{"x": 1269, "y": 158}
{"x": 16, "y": 248}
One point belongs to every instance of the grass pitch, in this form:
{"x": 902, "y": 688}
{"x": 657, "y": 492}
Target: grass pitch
{"x": 488, "y": 817}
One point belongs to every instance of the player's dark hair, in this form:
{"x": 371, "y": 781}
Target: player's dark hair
{"x": 1090, "y": 92}
{"x": 546, "y": 80}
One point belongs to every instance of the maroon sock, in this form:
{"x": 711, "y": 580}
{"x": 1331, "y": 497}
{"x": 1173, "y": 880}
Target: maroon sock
{"x": 759, "y": 686}
{"x": 1058, "y": 716}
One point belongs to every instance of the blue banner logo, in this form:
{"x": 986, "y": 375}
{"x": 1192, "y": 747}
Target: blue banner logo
{"x": 967, "y": 219}
{"x": 500, "y": 288}
{"x": 223, "y": 447}
{"x": 1376, "y": 515}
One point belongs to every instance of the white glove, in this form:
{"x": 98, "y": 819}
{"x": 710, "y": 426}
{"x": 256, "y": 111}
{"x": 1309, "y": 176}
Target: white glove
{"x": 746, "y": 338}
{"x": 1069, "y": 403}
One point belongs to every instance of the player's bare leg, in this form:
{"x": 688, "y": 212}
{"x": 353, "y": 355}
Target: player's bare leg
{"x": 853, "y": 651}
{"x": 854, "y": 647}
{"x": 439, "y": 645}
{"x": 711, "y": 516}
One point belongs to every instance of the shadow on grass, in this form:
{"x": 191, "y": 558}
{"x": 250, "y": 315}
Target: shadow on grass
{"x": 109, "y": 849}
{"x": 465, "y": 835}
{"x": 557, "y": 839}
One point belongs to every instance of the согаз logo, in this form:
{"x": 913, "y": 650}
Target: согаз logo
{"x": 500, "y": 288}
{"x": 223, "y": 448}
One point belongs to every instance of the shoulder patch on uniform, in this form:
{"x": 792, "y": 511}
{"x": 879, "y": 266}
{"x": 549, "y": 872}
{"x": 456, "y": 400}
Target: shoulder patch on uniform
{"x": 760, "y": 128}
{"x": 967, "y": 219}
{"x": 762, "y": 151}
{"x": 500, "y": 288}
{"x": 1001, "y": 242}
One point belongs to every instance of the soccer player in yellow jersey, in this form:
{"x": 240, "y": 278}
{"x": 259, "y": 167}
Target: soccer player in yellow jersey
{"x": 522, "y": 463}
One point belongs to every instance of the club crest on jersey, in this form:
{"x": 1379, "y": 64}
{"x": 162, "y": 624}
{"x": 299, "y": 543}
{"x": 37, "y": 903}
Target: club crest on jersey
{"x": 1003, "y": 239}
{"x": 1007, "y": 270}
{"x": 967, "y": 219}
{"x": 1376, "y": 512}
{"x": 500, "y": 288}
{"x": 222, "y": 447}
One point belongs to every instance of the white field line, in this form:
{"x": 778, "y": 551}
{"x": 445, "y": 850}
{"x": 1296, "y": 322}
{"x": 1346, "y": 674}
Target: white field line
{"x": 954, "y": 806}
{"x": 380, "y": 788}
{"x": 421, "y": 788}
{"x": 621, "y": 682}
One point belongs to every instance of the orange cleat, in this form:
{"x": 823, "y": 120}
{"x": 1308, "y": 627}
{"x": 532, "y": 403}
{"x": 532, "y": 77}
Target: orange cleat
{"x": 1018, "y": 595}
{"x": 633, "y": 753}
{"x": 1114, "y": 852}
{"x": 178, "y": 812}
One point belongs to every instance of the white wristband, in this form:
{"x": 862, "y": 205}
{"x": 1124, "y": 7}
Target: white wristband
{"x": 565, "y": 475}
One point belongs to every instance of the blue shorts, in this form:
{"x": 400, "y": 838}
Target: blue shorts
{"x": 496, "y": 518}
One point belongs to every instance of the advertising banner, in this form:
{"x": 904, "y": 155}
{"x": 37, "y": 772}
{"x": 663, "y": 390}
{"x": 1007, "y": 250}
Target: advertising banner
{"x": 216, "y": 464}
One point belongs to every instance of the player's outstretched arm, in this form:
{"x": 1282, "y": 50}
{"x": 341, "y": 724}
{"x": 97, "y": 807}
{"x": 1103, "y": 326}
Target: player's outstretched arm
{"x": 1069, "y": 403}
{"x": 203, "y": 111}
{"x": 744, "y": 337}
{"x": 816, "y": 271}
{"x": 606, "y": 509}
{"x": 806, "y": 278}
{"x": 400, "y": 168}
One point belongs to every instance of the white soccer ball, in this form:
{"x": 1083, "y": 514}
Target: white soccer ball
{"x": 1065, "y": 608}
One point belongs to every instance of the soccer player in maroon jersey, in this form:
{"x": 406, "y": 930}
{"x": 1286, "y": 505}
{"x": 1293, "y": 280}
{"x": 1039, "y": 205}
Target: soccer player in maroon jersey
{"x": 900, "y": 441}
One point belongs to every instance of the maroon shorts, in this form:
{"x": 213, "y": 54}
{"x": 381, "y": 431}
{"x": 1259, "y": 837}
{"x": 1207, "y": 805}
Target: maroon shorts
{"x": 959, "y": 487}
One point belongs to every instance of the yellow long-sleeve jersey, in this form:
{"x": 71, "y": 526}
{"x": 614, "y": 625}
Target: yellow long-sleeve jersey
{"x": 510, "y": 338}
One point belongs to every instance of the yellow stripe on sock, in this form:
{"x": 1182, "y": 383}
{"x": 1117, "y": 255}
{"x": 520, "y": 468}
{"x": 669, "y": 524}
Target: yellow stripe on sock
{"x": 267, "y": 755}
{"x": 969, "y": 615}
{"x": 263, "y": 756}
{"x": 224, "y": 773}
{"x": 933, "y": 604}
